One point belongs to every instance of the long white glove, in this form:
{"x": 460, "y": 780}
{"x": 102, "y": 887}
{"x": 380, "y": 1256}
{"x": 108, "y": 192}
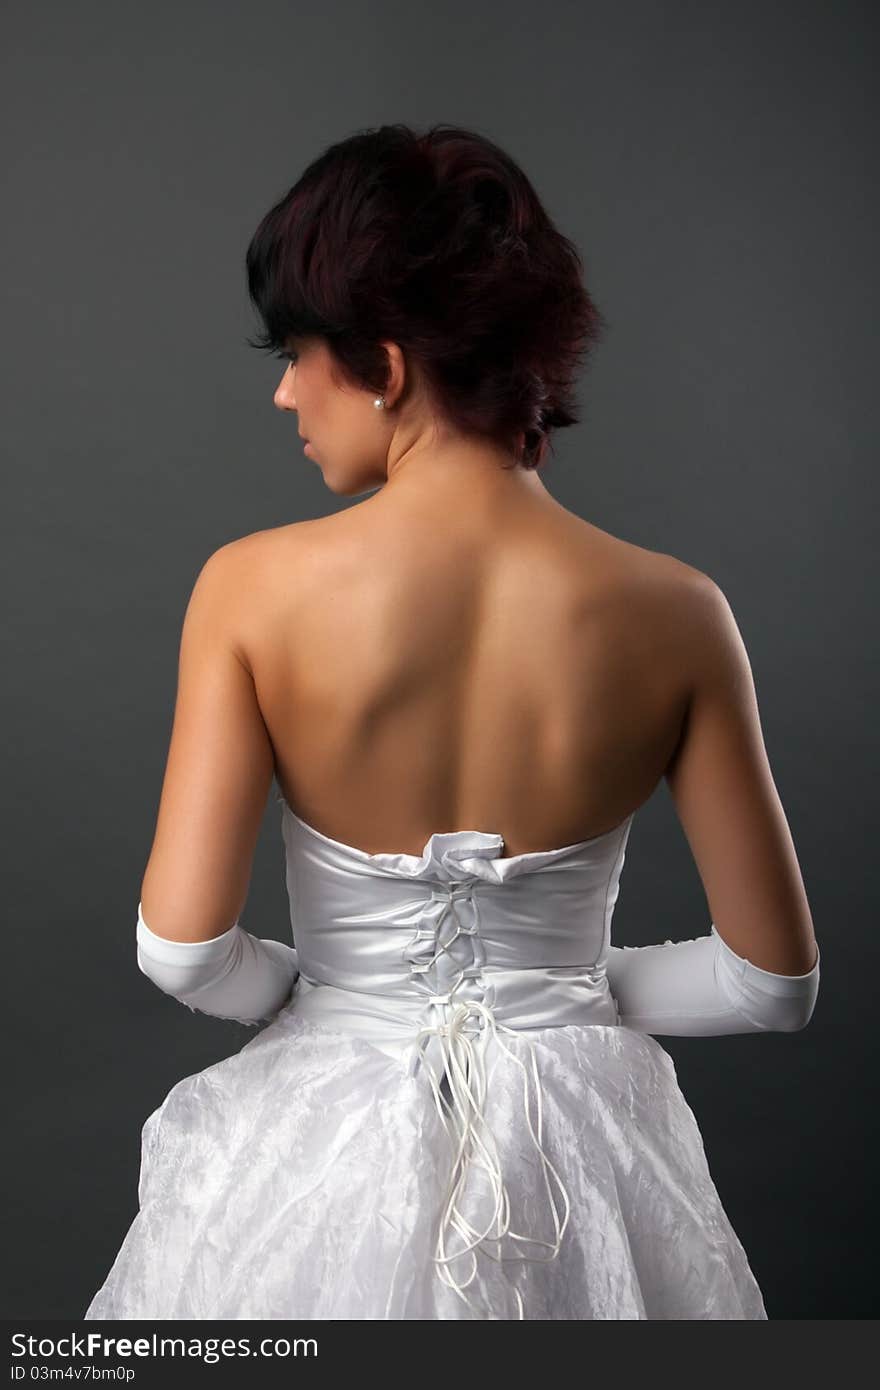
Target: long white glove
{"x": 702, "y": 987}
{"x": 235, "y": 975}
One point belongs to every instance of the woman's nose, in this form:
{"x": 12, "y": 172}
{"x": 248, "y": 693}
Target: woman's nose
{"x": 284, "y": 397}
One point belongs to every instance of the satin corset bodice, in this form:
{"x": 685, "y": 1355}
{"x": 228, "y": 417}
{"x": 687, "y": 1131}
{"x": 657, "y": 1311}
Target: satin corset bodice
{"x": 525, "y": 935}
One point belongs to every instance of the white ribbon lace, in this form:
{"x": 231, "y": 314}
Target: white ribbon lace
{"x": 465, "y": 1067}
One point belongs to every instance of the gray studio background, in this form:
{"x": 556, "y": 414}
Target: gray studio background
{"x": 715, "y": 165}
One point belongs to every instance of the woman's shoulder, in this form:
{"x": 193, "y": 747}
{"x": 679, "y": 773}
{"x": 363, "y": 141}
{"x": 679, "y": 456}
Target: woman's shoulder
{"x": 243, "y": 573}
{"x": 636, "y": 569}
{"x": 258, "y": 553}
{"x": 647, "y": 584}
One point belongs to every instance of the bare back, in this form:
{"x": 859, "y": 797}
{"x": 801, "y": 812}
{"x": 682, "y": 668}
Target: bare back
{"x": 511, "y": 669}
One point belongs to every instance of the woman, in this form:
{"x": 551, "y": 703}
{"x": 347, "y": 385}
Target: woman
{"x": 456, "y": 1108}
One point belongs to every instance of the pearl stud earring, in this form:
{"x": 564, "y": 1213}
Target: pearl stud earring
{"x": 379, "y": 402}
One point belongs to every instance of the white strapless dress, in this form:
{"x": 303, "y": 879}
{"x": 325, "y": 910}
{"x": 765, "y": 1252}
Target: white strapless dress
{"x": 445, "y": 1120}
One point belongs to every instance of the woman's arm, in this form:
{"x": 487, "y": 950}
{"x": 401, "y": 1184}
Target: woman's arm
{"x": 702, "y": 987}
{"x": 235, "y": 975}
{"x": 758, "y": 969}
{"x": 219, "y": 769}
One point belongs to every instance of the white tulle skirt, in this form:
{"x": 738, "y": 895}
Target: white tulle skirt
{"x": 306, "y": 1176}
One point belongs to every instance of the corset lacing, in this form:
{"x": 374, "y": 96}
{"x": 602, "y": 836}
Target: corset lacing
{"x": 464, "y": 1117}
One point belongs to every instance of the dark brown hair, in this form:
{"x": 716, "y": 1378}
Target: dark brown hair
{"x": 438, "y": 242}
